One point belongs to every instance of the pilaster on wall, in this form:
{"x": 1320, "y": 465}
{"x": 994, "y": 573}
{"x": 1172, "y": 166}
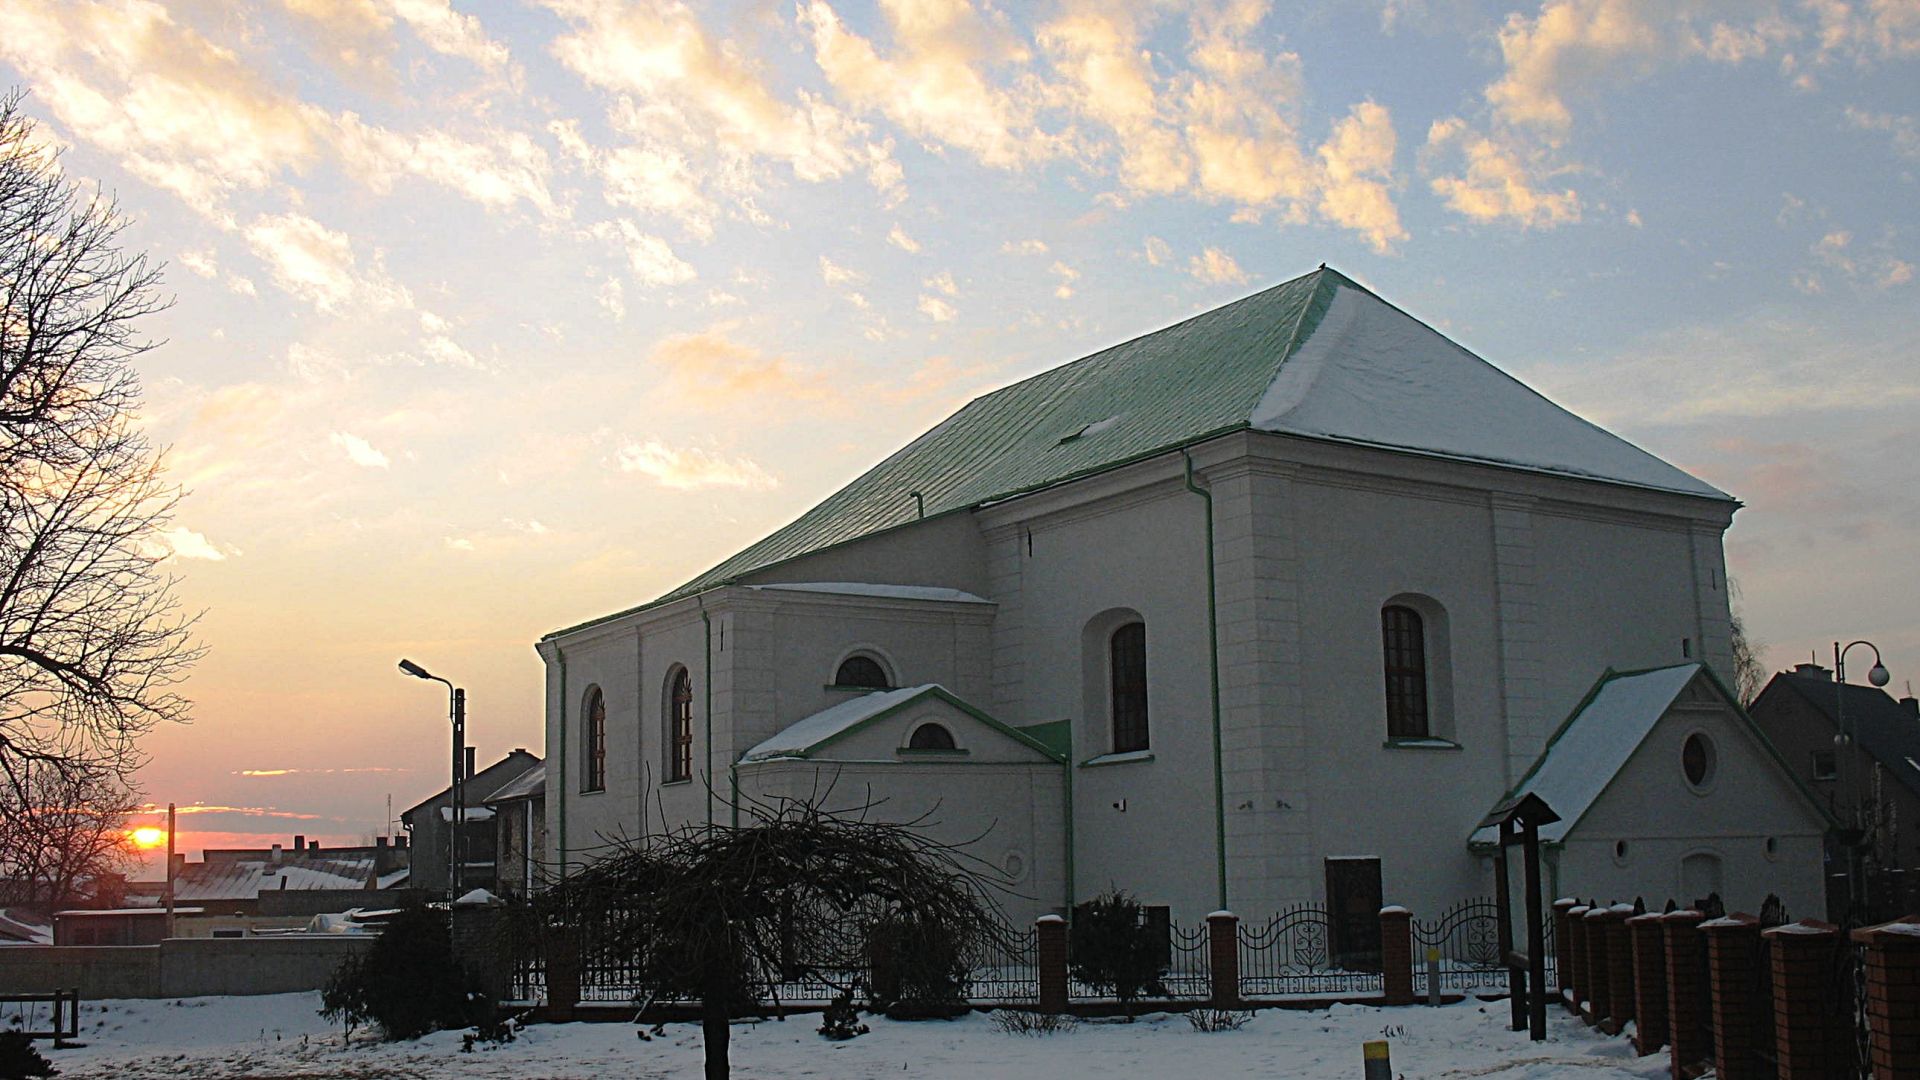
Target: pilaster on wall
{"x": 1006, "y": 564}
{"x": 1263, "y": 722}
{"x": 1517, "y": 611}
{"x": 1712, "y": 601}
{"x": 744, "y": 699}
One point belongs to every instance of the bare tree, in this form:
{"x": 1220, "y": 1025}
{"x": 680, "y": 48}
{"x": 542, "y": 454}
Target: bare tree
{"x": 1749, "y": 672}
{"x": 63, "y": 838}
{"x": 92, "y": 644}
{"x": 724, "y": 915}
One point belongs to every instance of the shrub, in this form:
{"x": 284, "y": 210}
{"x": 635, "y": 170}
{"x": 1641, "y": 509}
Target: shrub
{"x": 1211, "y": 1019}
{"x": 917, "y": 969}
{"x": 1029, "y": 1022}
{"x": 1110, "y": 948}
{"x": 407, "y": 984}
{"x": 841, "y": 1021}
{"x": 19, "y": 1060}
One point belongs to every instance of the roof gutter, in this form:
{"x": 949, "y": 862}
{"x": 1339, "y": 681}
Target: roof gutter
{"x": 1213, "y": 672}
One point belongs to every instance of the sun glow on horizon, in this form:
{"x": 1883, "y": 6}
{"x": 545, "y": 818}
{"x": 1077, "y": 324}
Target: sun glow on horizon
{"x": 148, "y": 837}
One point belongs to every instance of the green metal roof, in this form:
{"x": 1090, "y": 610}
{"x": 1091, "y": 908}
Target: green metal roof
{"x": 1211, "y": 374}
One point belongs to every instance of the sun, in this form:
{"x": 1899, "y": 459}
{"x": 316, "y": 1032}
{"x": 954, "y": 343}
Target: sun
{"x": 148, "y": 837}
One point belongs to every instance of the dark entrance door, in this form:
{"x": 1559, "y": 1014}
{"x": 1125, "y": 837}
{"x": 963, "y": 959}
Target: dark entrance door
{"x": 1353, "y": 908}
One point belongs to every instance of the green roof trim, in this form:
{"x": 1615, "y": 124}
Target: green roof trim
{"x": 939, "y": 693}
{"x": 1055, "y": 735}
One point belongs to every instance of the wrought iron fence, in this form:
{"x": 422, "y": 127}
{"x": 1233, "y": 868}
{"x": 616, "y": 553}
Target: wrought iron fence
{"x": 1468, "y": 938}
{"x": 1189, "y": 967}
{"x": 1006, "y": 969}
{"x": 1288, "y": 955}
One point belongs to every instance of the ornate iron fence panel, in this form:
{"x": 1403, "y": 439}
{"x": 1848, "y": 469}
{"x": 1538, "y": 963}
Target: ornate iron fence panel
{"x": 1289, "y": 955}
{"x": 1006, "y": 969}
{"x": 1468, "y": 938}
{"x": 1852, "y": 979}
{"x": 1189, "y": 968}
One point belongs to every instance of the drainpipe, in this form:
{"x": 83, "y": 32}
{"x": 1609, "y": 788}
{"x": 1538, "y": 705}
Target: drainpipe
{"x": 562, "y": 657}
{"x": 1066, "y": 768}
{"x": 707, "y": 621}
{"x": 1213, "y": 670}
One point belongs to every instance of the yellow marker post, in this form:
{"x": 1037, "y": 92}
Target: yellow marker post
{"x": 1379, "y": 1064}
{"x": 1433, "y": 976}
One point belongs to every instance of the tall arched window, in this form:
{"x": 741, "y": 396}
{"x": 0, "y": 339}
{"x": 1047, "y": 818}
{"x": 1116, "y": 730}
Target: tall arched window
{"x": 594, "y": 742}
{"x": 862, "y": 671}
{"x": 680, "y": 726}
{"x": 1404, "y": 644}
{"x": 1127, "y": 661}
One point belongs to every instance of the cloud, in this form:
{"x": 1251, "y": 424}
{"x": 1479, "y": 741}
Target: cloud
{"x": 712, "y": 368}
{"x": 1067, "y": 275}
{"x": 1496, "y": 181}
{"x": 244, "y": 811}
{"x": 611, "y": 296}
{"x": 936, "y": 309}
{"x": 1024, "y": 247}
{"x": 1358, "y": 160}
{"x": 451, "y": 33}
{"x": 184, "y": 543}
{"x": 692, "y": 467}
{"x": 496, "y": 169}
{"x": 317, "y": 264}
{"x": 834, "y": 274}
{"x": 270, "y": 773}
{"x": 651, "y": 259}
{"x": 1157, "y": 251}
{"x": 943, "y": 282}
{"x": 358, "y": 450}
{"x": 1216, "y": 267}
{"x": 898, "y": 237}
{"x": 1901, "y": 130}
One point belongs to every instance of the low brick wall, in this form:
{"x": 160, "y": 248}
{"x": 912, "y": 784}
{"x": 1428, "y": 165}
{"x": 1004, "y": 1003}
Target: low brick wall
{"x": 179, "y": 967}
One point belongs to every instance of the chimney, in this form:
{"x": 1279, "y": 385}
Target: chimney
{"x": 400, "y": 843}
{"x": 1813, "y": 671}
{"x": 276, "y": 854}
{"x": 299, "y": 843}
{"x": 313, "y": 846}
{"x": 1912, "y": 705}
{"x": 379, "y": 843}
{"x": 469, "y": 762}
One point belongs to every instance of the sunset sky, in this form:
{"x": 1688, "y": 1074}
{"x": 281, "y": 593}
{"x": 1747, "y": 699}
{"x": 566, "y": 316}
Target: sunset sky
{"x": 498, "y": 316}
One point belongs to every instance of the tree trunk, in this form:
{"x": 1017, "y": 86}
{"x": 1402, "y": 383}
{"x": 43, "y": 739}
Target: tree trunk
{"x": 715, "y": 1032}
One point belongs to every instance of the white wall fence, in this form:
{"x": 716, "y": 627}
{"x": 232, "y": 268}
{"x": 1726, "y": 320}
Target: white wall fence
{"x": 179, "y": 967}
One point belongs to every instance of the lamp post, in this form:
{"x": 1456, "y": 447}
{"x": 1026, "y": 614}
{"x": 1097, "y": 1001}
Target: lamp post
{"x": 457, "y": 793}
{"x": 1855, "y": 836}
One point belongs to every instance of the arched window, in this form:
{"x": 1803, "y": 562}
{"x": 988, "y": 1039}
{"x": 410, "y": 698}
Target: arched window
{"x": 1404, "y": 642}
{"x": 1127, "y": 660}
{"x": 594, "y": 743}
{"x": 862, "y": 671}
{"x": 931, "y": 737}
{"x": 679, "y": 726}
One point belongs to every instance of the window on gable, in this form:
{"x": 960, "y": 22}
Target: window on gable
{"x": 680, "y": 727}
{"x": 594, "y": 776}
{"x": 1824, "y": 765}
{"x": 1403, "y": 639}
{"x": 931, "y": 737}
{"x": 862, "y": 671}
{"x": 1127, "y": 651}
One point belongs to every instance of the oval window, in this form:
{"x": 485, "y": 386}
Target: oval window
{"x": 1697, "y": 760}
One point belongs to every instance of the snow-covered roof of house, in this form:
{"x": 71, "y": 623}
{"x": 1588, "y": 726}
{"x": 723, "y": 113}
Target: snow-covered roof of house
{"x": 802, "y": 737}
{"x": 25, "y": 927}
{"x": 245, "y": 879}
{"x": 1583, "y": 757}
{"x": 528, "y": 785}
{"x": 1318, "y": 357}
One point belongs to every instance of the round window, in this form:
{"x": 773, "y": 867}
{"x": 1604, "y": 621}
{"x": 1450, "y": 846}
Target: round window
{"x": 1697, "y": 760}
{"x": 1620, "y": 850}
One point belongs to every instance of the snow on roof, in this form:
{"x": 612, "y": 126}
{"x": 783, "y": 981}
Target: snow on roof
{"x": 1589, "y": 749}
{"x": 244, "y": 879}
{"x": 527, "y": 785}
{"x": 1368, "y": 372}
{"x": 892, "y": 592}
{"x": 802, "y": 735}
{"x": 25, "y": 926}
{"x": 393, "y": 879}
{"x": 469, "y": 813}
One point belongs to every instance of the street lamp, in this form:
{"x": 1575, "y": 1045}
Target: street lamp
{"x": 1855, "y": 837}
{"x": 457, "y": 811}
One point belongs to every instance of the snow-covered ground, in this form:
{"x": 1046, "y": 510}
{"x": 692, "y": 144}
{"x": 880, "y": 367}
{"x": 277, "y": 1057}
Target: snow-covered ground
{"x": 281, "y": 1037}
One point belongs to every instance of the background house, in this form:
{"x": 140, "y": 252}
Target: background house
{"x": 429, "y": 822}
{"x": 520, "y": 831}
{"x": 1286, "y": 595}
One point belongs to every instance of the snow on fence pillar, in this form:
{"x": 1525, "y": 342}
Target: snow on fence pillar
{"x": 1597, "y": 986}
{"x": 477, "y": 925}
{"x": 1810, "y": 1032}
{"x": 1051, "y": 931}
{"x": 1620, "y": 986}
{"x": 1893, "y": 996}
{"x": 1396, "y": 955}
{"x": 1223, "y": 958}
{"x": 1733, "y": 957}
{"x": 1686, "y": 992}
{"x": 1649, "y": 982}
{"x": 1563, "y": 946}
{"x": 1575, "y": 979}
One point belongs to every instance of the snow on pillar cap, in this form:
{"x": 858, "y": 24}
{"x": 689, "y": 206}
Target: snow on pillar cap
{"x": 1394, "y": 909}
{"x": 1050, "y": 919}
{"x": 1223, "y": 913}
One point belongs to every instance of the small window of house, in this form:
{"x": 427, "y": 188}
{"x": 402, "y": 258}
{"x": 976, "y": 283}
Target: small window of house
{"x": 680, "y": 726}
{"x": 594, "y": 743}
{"x": 1697, "y": 761}
{"x": 862, "y": 671}
{"x": 1404, "y": 644}
{"x": 1824, "y": 765}
{"x": 931, "y": 737}
{"x": 1128, "y": 659}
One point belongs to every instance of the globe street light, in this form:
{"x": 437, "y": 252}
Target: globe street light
{"x": 1855, "y": 837}
{"x": 457, "y": 793}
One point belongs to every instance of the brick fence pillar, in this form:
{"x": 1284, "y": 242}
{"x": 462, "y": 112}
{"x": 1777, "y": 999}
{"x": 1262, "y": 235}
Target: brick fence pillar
{"x": 1052, "y": 946}
{"x": 1733, "y": 958}
{"x": 1893, "y": 997}
{"x": 1598, "y": 988}
{"x": 1575, "y": 979}
{"x": 1810, "y": 1032}
{"x": 1562, "y": 947}
{"x": 563, "y": 973}
{"x": 1649, "y": 982}
{"x": 1396, "y": 955}
{"x": 479, "y": 932}
{"x": 1620, "y": 987}
{"x": 1688, "y": 1046}
{"x": 1223, "y": 958}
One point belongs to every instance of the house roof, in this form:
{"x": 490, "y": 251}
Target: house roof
{"x": 1881, "y": 726}
{"x": 531, "y": 784}
{"x": 802, "y": 737}
{"x": 483, "y": 784}
{"x": 245, "y": 879}
{"x": 1317, "y": 357}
